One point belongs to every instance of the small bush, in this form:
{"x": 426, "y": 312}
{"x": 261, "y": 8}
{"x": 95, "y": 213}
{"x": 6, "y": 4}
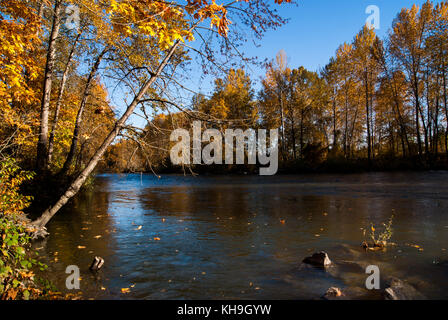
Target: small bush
{"x": 381, "y": 239}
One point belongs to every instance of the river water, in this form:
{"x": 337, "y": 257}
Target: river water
{"x": 244, "y": 237}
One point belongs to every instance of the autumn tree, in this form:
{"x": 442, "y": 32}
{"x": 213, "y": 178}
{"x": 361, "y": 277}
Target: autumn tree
{"x": 166, "y": 31}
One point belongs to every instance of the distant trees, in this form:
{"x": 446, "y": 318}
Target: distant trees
{"x": 374, "y": 100}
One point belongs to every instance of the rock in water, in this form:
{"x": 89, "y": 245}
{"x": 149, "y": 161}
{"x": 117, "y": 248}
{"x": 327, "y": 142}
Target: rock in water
{"x": 332, "y": 293}
{"x": 319, "y": 259}
{"x": 399, "y": 290}
{"x": 97, "y": 264}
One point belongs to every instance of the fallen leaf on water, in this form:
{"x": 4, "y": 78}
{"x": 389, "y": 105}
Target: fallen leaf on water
{"x": 81, "y": 247}
{"x": 132, "y": 286}
{"x": 97, "y": 237}
{"x": 125, "y": 290}
{"x": 156, "y": 239}
{"x": 139, "y": 228}
{"x": 102, "y": 288}
{"x": 317, "y": 235}
{"x": 282, "y": 221}
{"x": 163, "y": 220}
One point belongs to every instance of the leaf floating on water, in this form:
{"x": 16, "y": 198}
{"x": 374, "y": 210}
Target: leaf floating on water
{"x": 97, "y": 237}
{"x": 102, "y": 288}
{"x": 317, "y": 235}
{"x": 81, "y": 247}
{"x": 282, "y": 221}
{"x": 125, "y": 290}
{"x": 163, "y": 220}
{"x": 157, "y": 239}
{"x": 139, "y": 228}
{"x": 132, "y": 286}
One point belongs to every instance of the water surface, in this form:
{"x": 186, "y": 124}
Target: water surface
{"x": 244, "y": 237}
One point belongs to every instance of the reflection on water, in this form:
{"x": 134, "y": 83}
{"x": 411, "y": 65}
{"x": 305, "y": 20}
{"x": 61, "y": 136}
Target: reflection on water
{"x": 223, "y": 237}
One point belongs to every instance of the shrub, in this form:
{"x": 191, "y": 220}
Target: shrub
{"x": 16, "y": 277}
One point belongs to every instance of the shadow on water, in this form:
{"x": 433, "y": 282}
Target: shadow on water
{"x": 245, "y": 237}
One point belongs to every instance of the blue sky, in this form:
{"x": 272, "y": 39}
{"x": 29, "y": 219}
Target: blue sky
{"x": 316, "y": 29}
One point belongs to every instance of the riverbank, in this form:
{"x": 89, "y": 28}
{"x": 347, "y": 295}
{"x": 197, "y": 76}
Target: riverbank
{"x": 332, "y": 165}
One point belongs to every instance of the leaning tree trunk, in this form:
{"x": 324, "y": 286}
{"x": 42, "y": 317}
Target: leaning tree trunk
{"x": 42, "y": 145}
{"x": 76, "y": 185}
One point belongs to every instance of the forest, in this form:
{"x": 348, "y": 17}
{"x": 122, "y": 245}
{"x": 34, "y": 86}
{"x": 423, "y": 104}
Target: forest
{"x": 379, "y": 104}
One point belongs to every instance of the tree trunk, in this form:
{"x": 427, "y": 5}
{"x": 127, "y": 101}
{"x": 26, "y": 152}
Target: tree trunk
{"x": 76, "y": 185}
{"x": 79, "y": 118}
{"x": 369, "y": 139}
{"x": 59, "y": 101}
{"x": 445, "y": 100}
{"x": 334, "y": 123}
{"x": 42, "y": 145}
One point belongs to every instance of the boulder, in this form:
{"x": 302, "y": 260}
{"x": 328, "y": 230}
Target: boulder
{"x": 319, "y": 259}
{"x": 397, "y": 289}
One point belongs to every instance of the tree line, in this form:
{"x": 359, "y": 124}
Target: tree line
{"x": 378, "y": 103}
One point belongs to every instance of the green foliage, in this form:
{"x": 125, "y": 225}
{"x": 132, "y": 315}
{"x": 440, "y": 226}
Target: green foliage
{"x": 16, "y": 277}
{"x": 383, "y": 237}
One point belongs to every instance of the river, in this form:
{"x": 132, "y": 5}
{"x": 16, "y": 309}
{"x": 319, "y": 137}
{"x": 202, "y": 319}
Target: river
{"x": 244, "y": 237}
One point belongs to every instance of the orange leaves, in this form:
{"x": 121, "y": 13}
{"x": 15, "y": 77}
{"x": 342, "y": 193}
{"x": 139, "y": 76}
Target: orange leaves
{"x": 167, "y": 22}
{"x": 19, "y": 68}
{"x": 125, "y": 290}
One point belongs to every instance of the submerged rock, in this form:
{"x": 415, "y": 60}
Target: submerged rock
{"x": 397, "y": 289}
{"x": 319, "y": 259}
{"x": 97, "y": 264}
{"x": 333, "y": 293}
